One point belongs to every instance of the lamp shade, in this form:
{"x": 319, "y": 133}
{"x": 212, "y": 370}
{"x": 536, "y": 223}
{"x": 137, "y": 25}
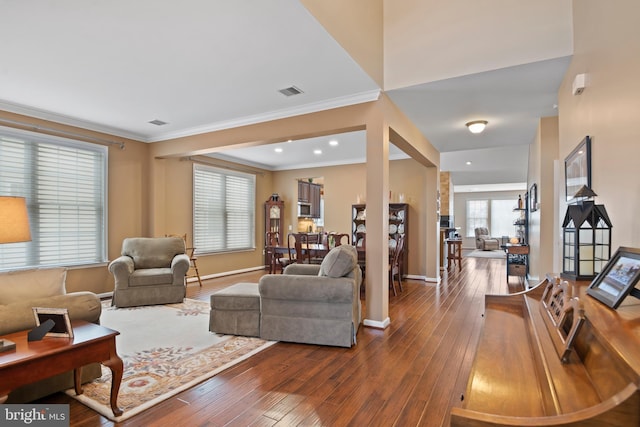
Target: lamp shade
{"x": 14, "y": 221}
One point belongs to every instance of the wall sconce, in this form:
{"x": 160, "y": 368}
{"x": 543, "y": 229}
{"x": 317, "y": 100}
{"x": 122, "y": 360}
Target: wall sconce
{"x": 476, "y": 126}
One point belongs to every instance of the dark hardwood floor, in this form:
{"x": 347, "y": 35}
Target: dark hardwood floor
{"x": 409, "y": 374}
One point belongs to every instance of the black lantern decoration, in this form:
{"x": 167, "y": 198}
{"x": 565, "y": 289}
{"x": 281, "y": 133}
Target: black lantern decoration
{"x": 587, "y": 237}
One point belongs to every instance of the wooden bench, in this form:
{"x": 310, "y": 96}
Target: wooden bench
{"x": 552, "y": 356}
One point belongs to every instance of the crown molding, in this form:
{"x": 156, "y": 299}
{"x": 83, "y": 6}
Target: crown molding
{"x": 329, "y": 104}
{"x": 37, "y": 113}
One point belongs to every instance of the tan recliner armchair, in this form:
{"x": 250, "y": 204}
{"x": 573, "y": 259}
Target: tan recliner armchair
{"x": 484, "y": 241}
{"x": 150, "y": 271}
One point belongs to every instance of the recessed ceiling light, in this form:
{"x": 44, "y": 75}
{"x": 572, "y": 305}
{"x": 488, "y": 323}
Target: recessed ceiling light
{"x": 333, "y": 143}
{"x": 278, "y": 150}
{"x": 317, "y": 151}
{"x": 468, "y": 163}
{"x": 157, "y": 122}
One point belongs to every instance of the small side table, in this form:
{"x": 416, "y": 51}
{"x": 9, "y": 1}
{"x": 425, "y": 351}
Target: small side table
{"x": 517, "y": 261}
{"x": 32, "y": 361}
{"x": 454, "y": 253}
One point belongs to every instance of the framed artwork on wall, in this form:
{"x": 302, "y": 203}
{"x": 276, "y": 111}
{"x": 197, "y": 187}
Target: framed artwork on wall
{"x": 577, "y": 168}
{"x": 533, "y": 198}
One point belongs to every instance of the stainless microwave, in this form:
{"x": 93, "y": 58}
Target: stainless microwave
{"x": 304, "y": 210}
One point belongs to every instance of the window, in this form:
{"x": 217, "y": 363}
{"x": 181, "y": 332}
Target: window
{"x": 64, "y": 183}
{"x": 502, "y": 217}
{"x": 477, "y": 215}
{"x": 223, "y": 210}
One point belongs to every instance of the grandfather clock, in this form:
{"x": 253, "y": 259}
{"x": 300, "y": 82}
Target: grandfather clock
{"x": 273, "y": 216}
{"x": 273, "y": 221}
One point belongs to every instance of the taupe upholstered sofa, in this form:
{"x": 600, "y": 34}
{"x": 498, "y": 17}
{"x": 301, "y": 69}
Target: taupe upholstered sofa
{"x": 150, "y": 271}
{"x": 313, "y": 304}
{"x": 20, "y": 291}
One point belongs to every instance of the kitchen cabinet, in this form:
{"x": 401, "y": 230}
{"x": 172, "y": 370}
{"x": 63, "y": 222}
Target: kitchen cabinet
{"x": 308, "y": 192}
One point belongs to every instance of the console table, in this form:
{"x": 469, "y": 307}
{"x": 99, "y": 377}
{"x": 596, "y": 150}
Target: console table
{"x": 32, "y": 361}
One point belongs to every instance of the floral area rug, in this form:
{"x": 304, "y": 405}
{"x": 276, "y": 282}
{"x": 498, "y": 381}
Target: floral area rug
{"x": 165, "y": 349}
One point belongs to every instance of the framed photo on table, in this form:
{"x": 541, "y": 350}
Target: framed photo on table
{"x": 59, "y": 316}
{"x": 618, "y": 278}
{"x": 577, "y": 168}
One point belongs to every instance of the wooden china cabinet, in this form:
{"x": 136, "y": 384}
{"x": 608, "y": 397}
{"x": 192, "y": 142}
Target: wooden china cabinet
{"x": 398, "y": 220}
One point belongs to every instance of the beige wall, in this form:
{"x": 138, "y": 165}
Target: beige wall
{"x": 543, "y": 155}
{"x": 421, "y": 44}
{"x": 357, "y": 26}
{"x": 606, "y": 44}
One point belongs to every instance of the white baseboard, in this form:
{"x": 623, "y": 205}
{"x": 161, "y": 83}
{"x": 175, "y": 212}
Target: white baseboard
{"x": 191, "y": 280}
{"x": 377, "y": 324}
{"x": 423, "y": 278}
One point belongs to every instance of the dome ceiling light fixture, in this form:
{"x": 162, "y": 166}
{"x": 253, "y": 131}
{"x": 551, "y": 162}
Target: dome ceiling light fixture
{"x": 476, "y": 126}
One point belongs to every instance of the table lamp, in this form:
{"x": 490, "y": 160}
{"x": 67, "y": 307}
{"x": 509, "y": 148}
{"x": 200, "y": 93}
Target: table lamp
{"x": 14, "y": 221}
{"x": 14, "y": 228}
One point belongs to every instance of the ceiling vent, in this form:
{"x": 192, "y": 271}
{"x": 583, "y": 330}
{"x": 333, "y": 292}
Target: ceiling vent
{"x": 158, "y": 122}
{"x": 290, "y": 91}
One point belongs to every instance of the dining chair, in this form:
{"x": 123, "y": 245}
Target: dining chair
{"x": 193, "y": 258}
{"x": 341, "y": 238}
{"x": 316, "y": 256}
{"x": 394, "y": 264}
{"x": 295, "y": 249}
{"x": 271, "y": 243}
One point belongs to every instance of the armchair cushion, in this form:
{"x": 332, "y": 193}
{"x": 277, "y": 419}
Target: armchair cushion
{"x": 149, "y": 252}
{"x": 339, "y": 261}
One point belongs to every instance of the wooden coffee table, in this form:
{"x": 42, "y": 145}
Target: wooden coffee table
{"x": 36, "y": 360}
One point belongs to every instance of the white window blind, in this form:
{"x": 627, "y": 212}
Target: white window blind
{"x": 223, "y": 210}
{"x": 502, "y": 217}
{"x": 64, "y": 183}
{"x": 477, "y": 215}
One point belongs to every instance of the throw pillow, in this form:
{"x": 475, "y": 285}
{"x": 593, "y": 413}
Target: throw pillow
{"x": 18, "y": 286}
{"x": 339, "y": 261}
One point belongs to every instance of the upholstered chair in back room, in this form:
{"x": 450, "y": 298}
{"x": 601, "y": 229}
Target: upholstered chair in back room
{"x": 484, "y": 241}
{"x": 151, "y": 271}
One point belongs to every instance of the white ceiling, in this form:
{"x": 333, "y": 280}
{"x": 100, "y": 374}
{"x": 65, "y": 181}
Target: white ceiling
{"x": 201, "y": 66}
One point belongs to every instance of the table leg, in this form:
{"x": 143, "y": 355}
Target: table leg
{"x": 116, "y": 366}
{"x": 77, "y": 380}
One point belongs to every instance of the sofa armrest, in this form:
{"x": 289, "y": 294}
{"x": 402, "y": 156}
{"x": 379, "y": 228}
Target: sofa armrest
{"x": 19, "y": 316}
{"x": 302, "y": 269}
{"x": 121, "y": 268}
{"x": 179, "y": 267}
